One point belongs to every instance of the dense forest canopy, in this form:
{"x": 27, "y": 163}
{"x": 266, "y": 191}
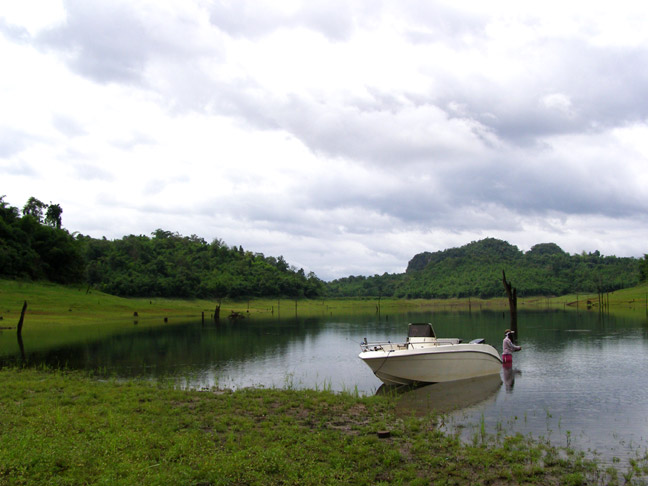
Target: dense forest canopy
{"x": 34, "y": 245}
{"x": 172, "y": 265}
{"x": 475, "y": 270}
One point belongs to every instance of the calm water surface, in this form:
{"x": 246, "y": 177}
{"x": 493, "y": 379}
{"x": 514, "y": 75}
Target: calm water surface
{"x": 580, "y": 379}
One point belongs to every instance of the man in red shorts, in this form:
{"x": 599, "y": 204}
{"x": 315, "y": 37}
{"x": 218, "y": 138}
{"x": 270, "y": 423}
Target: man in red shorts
{"x": 508, "y": 348}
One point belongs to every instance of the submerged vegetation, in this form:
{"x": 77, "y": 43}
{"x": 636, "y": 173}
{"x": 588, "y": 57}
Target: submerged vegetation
{"x": 66, "y": 428}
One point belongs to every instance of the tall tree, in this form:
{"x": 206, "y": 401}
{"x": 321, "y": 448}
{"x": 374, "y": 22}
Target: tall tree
{"x": 643, "y": 268}
{"x": 53, "y": 216}
{"x": 34, "y": 208}
{"x": 8, "y": 213}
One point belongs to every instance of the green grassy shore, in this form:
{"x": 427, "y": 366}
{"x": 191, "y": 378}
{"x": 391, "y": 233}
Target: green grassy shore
{"x": 64, "y": 427}
{"x": 61, "y": 427}
{"x": 49, "y": 304}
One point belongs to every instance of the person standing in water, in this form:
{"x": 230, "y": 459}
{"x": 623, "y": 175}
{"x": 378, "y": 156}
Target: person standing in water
{"x": 508, "y": 348}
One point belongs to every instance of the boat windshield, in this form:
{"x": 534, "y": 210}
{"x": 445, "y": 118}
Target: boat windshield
{"x": 420, "y": 330}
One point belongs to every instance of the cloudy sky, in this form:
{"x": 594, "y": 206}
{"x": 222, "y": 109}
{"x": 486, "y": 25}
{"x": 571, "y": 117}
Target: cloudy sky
{"x": 345, "y": 135}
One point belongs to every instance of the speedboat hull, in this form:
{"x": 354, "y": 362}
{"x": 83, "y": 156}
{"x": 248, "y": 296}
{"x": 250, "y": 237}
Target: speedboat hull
{"x": 432, "y": 364}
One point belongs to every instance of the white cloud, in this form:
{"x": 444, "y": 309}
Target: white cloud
{"x": 33, "y": 15}
{"x": 346, "y": 136}
{"x": 558, "y": 102}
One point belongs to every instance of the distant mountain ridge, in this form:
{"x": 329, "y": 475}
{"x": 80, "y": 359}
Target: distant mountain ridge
{"x": 488, "y": 247}
{"x": 475, "y": 269}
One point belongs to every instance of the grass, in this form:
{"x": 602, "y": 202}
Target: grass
{"x": 74, "y": 305}
{"x": 50, "y": 303}
{"x": 626, "y": 301}
{"x": 61, "y": 427}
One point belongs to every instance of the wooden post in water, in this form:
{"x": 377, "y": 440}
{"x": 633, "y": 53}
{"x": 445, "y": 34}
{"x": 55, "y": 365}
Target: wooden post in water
{"x": 22, "y": 318}
{"x": 19, "y": 332}
{"x": 379, "y": 297}
{"x": 511, "y": 293}
{"x": 217, "y": 313}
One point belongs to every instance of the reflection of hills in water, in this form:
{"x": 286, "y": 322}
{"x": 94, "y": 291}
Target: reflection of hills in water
{"x": 313, "y": 349}
{"x": 444, "y": 397}
{"x": 163, "y": 350}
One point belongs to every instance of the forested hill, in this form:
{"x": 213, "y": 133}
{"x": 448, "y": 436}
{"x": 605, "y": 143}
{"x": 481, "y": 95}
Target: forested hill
{"x": 34, "y": 245}
{"x": 476, "y": 270}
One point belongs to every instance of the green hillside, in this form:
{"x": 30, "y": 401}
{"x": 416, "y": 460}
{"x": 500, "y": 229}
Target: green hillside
{"x": 34, "y": 246}
{"x": 475, "y": 270}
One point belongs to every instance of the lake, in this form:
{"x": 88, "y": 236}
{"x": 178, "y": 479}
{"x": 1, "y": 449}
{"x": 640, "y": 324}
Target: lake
{"x": 580, "y": 379}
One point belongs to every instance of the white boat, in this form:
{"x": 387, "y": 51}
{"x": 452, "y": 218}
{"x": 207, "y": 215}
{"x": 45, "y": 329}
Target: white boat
{"x": 424, "y": 358}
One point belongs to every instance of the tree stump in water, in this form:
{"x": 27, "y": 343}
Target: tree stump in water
{"x": 19, "y": 334}
{"x": 511, "y": 293}
{"x": 22, "y": 318}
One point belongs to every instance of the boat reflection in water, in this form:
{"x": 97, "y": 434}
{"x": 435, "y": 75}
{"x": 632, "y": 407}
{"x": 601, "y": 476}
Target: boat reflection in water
{"x": 443, "y": 397}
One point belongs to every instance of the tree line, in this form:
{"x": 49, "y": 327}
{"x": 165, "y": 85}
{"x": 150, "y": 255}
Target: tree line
{"x": 475, "y": 270}
{"x": 34, "y": 245}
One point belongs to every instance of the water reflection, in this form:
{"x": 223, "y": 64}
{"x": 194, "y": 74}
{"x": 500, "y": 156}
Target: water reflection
{"x": 21, "y": 346}
{"x": 170, "y": 350}
{"x": 443, "y": 397}
{"x": 580, "y": 376}
{"x": 508, "y": 374}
